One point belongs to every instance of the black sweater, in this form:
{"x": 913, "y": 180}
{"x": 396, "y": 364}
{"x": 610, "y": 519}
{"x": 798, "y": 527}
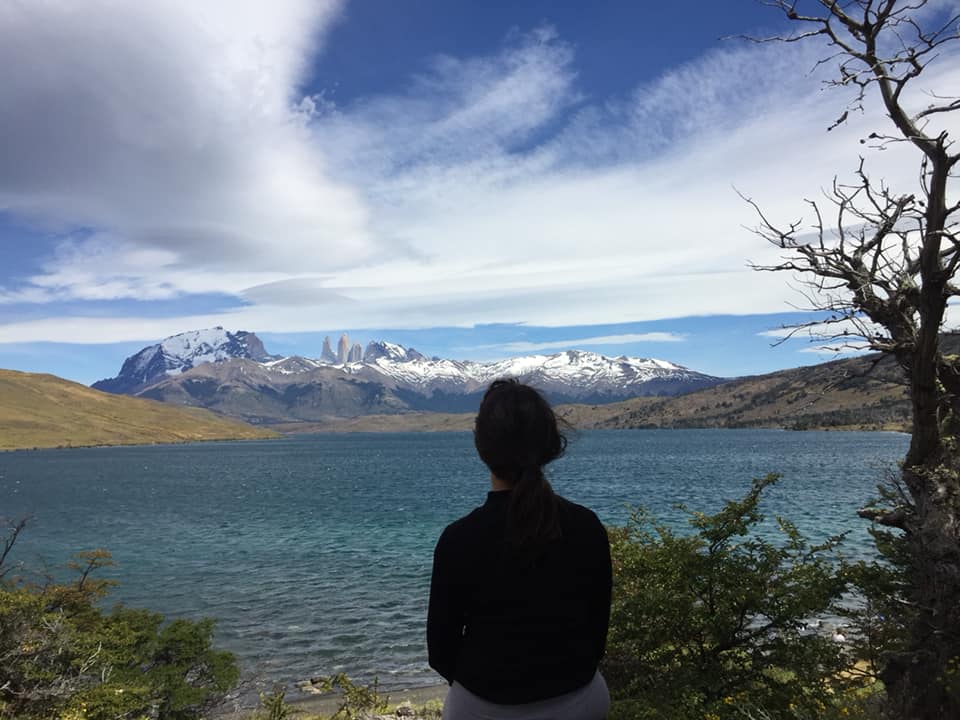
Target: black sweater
{"x": 514, "y": 634}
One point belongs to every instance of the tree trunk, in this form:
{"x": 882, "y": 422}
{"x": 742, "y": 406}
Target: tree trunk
{"x": 916, "y": 679}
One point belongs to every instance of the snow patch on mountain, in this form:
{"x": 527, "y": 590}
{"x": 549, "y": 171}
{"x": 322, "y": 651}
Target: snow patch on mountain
{"x": 293, "y": 365}
{"x": 193, "y": 348}
{"x": 179, "y": 353}
{"x": 383, "y": 350}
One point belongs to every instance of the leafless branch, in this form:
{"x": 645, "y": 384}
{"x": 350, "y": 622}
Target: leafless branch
{"x": 9, "y": 541}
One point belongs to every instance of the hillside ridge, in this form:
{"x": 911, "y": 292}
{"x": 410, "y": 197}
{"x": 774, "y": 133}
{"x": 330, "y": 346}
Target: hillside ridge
{"x": 39, "y": 410}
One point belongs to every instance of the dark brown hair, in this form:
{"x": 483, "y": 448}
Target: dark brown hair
{"x": 516, "y": 434}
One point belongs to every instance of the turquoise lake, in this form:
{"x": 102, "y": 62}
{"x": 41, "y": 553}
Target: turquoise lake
{"x": 313, "y": 552}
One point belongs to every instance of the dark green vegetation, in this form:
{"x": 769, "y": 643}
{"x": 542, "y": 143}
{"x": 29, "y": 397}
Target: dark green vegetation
{"x": 61, "y": 656}
{"x": 42, "y": 411}
{"x": 717, "y": 623}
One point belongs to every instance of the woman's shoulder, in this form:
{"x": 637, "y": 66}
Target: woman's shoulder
{"x": 464, "y": 526}
{"x": 572, "y": 507}
{"x": 579, "y": 514}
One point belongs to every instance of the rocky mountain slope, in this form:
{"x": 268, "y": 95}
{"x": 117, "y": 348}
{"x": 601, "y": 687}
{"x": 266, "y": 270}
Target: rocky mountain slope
{"x": 178, "y": 354}
{"x": 206, "y": 369}
{"x": 39, "y": 411}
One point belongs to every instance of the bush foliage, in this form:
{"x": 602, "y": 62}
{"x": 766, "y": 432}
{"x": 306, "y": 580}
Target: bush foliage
{"x": 357, "y": 701}
{"x": 716, "y": 623}
{"x": 61, "y": 656}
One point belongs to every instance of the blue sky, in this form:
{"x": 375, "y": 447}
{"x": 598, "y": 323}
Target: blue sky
{"x": 477, "y": 180}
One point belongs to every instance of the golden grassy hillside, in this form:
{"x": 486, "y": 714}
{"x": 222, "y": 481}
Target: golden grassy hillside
{"x": 42, "y": 411}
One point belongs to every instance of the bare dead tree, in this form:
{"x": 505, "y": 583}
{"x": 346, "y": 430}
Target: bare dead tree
{"x": 883, "y": 263}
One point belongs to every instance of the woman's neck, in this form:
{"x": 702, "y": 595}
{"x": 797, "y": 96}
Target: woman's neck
{"x": 496, "y": 484}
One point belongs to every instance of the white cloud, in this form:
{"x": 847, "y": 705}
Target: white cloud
{"x": 105, "y": 330}
{"x": 170, "y": 128}
{"x": 491, "y": 189}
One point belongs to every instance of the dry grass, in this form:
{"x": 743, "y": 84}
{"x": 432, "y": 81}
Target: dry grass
{"x": 44, "y": 411}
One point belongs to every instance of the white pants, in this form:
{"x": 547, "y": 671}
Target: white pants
{"x": 591, "y": 702}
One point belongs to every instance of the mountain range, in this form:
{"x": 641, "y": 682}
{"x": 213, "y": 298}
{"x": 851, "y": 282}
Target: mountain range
{"x": 232, "y": 374}
{"x": 866, "y": 393}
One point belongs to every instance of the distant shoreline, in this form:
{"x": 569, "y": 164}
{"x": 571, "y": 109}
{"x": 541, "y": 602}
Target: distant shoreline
{"x": 378, "y": 426}
{"x": 36, "y": 448}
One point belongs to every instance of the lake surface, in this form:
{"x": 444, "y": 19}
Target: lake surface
{"x": 314, "y": 552}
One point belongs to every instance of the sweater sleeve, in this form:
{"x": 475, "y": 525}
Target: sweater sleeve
{"x": 445, "y": 614}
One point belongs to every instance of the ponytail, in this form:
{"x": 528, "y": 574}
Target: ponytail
{"x": 532, "y": 520}
{"x": 516, "y": 435}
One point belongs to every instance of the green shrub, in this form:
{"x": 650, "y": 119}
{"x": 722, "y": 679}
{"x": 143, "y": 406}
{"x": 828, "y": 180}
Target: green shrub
{"x": 712, "y": 624}
{"x": 274, "y": 705}
{"x": 358, "y": 701}
{"x": 61, "y": 656}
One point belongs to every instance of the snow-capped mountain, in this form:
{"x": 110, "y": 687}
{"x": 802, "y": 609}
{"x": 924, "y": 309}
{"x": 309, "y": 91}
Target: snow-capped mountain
{"x": 393, "y": 353}
{"x": 179, "y": 353}
{"x": 573, "y": 374}
{"x": 233, "y": 374}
